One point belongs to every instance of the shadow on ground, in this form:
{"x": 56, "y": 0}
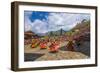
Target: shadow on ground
{"x": 31, "y": 56}
{"x": 83, "y": 48}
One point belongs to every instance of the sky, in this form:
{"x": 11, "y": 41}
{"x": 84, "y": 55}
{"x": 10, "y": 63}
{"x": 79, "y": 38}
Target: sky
{"x": 43, "y": 22}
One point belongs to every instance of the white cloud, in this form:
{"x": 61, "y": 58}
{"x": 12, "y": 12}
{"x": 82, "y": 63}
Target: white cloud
{"x": 39, "y": 26}
{"x": 55, "y": 21}
{"x": 65, "y": 21}
{"x": 27, "y": 21}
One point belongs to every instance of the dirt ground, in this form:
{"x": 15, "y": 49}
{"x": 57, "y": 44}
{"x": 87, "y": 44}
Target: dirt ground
{"x": 36, "y": 54}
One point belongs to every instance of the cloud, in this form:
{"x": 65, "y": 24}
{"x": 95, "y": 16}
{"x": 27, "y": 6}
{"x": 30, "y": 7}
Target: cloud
{"x": 65, "y": 21}
{"x": 27, "y": 25}
{"x": 39, "y": 26}
{"x": 54, "y": 22}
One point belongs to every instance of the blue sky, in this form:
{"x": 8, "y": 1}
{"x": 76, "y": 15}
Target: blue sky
{"x": 43, "y": 22}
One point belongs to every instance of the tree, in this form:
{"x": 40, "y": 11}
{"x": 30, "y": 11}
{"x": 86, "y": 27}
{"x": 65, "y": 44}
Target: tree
{"x": 61, "y": 31}
{"x": 51, "y": 33}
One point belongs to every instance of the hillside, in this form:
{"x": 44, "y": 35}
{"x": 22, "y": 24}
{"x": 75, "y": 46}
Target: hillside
{"x": 82, "y": 27}
{"x": 56, "y": 33}
{"x": 82, "y": 31}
